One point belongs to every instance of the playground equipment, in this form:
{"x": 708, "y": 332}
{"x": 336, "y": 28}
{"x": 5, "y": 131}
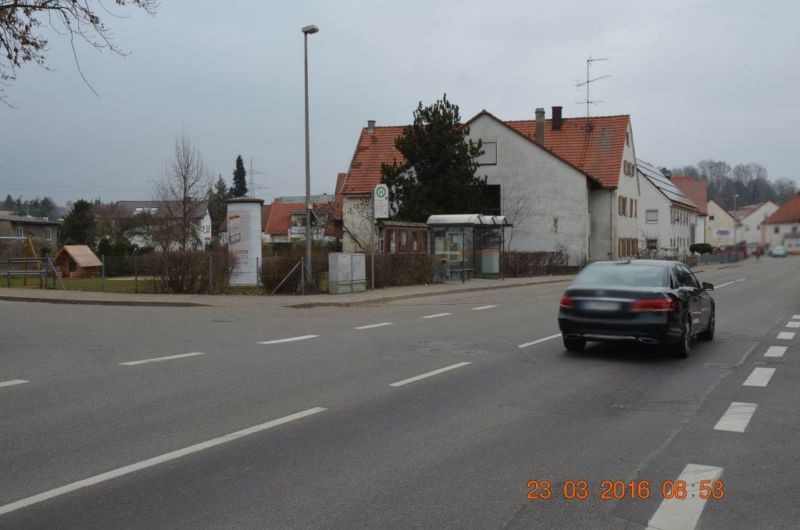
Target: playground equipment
{"x": 31, "y": 265}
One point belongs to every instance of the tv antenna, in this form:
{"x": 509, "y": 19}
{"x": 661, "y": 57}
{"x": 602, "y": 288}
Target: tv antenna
{"x": 589, "y": 81}
{"x": 253, "y": 174}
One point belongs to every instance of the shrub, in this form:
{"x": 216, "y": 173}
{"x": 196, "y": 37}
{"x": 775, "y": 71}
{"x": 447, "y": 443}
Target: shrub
{"x": 189, "y": 271}
{"x": 701, "y": 248}
{"x": 275, "y": 268}
{"x": 521, "y": 264}
{"x": 394, "y": 270}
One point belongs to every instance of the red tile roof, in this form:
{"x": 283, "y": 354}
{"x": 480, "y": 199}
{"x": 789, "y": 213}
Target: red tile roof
{"x": 338, "y": 198}
{"x": 265, "y": 209}
{"x": 695, "y": 189}
{"x": 592, "y": 145}
{"x": 280, "y": 215}
{"x": 789, "y": 212}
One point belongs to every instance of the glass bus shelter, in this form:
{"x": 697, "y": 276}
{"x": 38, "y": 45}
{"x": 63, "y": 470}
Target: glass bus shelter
{"x": 467, "y": 245}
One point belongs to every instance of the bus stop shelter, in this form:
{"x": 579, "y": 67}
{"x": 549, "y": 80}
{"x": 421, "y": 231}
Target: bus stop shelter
{"x": 468, "y": 245}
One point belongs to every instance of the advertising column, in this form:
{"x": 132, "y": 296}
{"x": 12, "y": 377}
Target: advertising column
{"x": 244, "y": 238}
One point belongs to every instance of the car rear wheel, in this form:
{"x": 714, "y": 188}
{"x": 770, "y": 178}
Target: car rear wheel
{"x": 574, "y": 345}
{"x": 684, "y": 346}
{"x": 708, "y": 334}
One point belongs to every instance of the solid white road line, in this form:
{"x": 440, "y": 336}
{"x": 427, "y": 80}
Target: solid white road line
{"x": 786, "y": 335}
{"x": 370, "y": 326}
{"x": 13, "y": 382}
{"x": 481, "y": 308}
{"x": 437, "y": 315}
{"x": 682, "y": 514}
{"x": 728, "y": 283}
{"x": 759, "y": 377}
{"x": 775, "y": 351}
{"x": 551, "y": 337}
{"x": 429, "y": 374}
{"x": 110, "y": 475}
{"x": 736, "y": 417}
{"x": 159, "y": 359}
{"x": 793, "y": 324}
{"x": 290, "y": 339}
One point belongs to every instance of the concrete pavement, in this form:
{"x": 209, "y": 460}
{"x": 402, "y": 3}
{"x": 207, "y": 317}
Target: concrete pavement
{"x": 455, "y": 448}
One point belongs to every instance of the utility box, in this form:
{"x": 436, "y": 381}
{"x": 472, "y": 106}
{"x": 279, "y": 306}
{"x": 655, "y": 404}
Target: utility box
{"x": 347, "y": 273}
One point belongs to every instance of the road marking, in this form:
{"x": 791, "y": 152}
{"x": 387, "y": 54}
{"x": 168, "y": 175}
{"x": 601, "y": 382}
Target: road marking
{"x": 437, "y": 315}
{"x": 796, "y": 317}
{"x": 786, "y": 335}
{"x": 681, "y": 514}
{"x": 775, "y": 351}
{"x": 720, "y": 286}
{"x": 551, "y": 337}
{"x": 736, "y": 417}
{"x": 481, "y": 308}
{"x": 144, "y": 464}
{"x": 759, "y": 377}
{"x": 290, "y": 339}
{"x": 370, "y": 326}
{"x": 159, "y": 359}
{"x": 793, "y": 324}
{"x": 429, "y": 374}
{"x": 13, "y": 382}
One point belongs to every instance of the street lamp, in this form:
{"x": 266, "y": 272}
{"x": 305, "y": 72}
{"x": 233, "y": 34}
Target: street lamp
{"x": 308, "y": 30}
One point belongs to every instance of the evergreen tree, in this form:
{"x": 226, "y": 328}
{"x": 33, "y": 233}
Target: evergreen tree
{"x": 78, "y": 225}
{"x": 239, "y": 188}
{"x": 8, "y": 204}
{"x": 438, "y": 174}
{"x": 217, "y": 207}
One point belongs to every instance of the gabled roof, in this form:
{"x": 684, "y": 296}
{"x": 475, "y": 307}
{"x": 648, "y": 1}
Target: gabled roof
{"x": 82, "y": 255}
{"x": 280, "y": 214}
{"x": 28, "y": 220}
{"x": 592, "y": 145}
{"x": 695, "y": 189}
{"x": 338, "y": 198}
{"x": 746, "y": 211}
{"x": 789, "y": 212}
{"x": 664, "y": 185}
{"x": 721, "y": 207}
{"x": 127, "y": 209}
{"x": 265, "y": 217}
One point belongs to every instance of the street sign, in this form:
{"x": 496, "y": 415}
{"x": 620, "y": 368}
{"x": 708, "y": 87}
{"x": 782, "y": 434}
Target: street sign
{"x": 380, "y": 198}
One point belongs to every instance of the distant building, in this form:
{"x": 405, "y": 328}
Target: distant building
{"x": 783, "y": 226}
{"x": 43, "y": 231}
{"x": 141, "y": 221}
{"x": 750, "y": 219}
{"x": 720, "y": 226}
{"x": 77, "y": 261}
{"x": 697, "y": 191}
{"x": 287, "y": 221}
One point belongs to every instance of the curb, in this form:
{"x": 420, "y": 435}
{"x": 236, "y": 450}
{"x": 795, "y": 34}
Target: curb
{"x": 378, "y": 301}
{"x": 132, "y": 303}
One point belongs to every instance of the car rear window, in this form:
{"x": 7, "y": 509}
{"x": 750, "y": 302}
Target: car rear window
{"x": 623, "y": 275}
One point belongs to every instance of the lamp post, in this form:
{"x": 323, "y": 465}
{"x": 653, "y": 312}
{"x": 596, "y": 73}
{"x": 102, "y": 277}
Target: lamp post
{"x": 308, "y": 30}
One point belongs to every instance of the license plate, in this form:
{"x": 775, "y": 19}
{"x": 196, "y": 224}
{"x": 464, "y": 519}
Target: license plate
{"x": 601, "y": 306}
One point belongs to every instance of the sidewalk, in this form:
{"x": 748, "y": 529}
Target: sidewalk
{"x": 318, "y": 300}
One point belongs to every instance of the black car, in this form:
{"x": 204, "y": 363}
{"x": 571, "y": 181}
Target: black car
{"x": 645, "y": 301}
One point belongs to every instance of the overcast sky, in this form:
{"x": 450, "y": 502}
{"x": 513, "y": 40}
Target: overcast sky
{"x": 700, "y": 79}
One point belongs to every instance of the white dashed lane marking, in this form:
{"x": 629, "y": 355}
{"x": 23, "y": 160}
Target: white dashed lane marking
{"x": 683, "y": 514}
{"x": 759, "y": 377}
{"x": 793, "y": 324}
{"x": 144, "y": 464}
{"x": 159, "y": 359}
{"x": 775, "y": 351}
{"x": 720, "y": 286}
{"x": 290, "y": 339}
{"x": 796, "y": 317}
{"x": 370, "y": 326}
{"x": 437, "y": 315}
{"x": 429, "y": 374}
{"x": 13, "y": 382}
{"x": 736, "y": 417}
{"x": 481, "y": 308}
{"x": 551, "y": 337}
{"x": 786, "y": 335}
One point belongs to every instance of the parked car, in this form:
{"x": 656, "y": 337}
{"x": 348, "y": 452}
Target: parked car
{"x": 642, "y": 301}
{"x": 778, "y": 251}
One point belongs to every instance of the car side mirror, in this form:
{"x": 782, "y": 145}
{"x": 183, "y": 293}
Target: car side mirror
{"x": 708, "y": 286}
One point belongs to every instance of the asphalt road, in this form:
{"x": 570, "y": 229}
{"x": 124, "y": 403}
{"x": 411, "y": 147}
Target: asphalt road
{"x": 338, "y": 429}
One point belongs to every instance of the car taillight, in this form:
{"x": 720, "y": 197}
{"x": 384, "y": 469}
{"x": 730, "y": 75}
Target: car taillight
{"x": 654, "y": 304}
{"x": 566, "y": 301}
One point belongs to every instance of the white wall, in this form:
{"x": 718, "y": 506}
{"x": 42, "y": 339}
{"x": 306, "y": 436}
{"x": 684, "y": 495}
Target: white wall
{"x": 356, "y": 221}
{"x": 776, "y": 232}
{"x": 715, "y": 228}
{"x": 602, "y": 241}
{"x": 546, "y": 199}
{"x": 674, "y": 227}
{"x": 629, "y": 186}
{"x": 750, "y": 229}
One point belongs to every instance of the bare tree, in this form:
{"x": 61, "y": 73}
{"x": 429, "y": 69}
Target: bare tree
{"x": 180, "y": 195}
{"x": 21, "y": 21}
{"x": 784, "y": 188}
{"x": 517, "y": 200}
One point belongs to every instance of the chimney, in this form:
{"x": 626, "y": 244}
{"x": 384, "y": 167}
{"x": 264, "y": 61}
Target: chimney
{"x": 371, "y": 126}
{"x": 540, "y": 126}
{"x": 556, "y": 117}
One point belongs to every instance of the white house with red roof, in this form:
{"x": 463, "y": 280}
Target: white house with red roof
{"x": 697, "y": 191}
{"x": 783, "y": 226}
{"x": 565, "y": 183}
{"x": 667, "y": 217}
{"x": 750, "y": 228}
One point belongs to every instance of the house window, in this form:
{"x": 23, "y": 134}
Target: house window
{"x": 489, "y": 156}
{"x": 492, "y": 199}
{"x": 777, "y": 229}
{"x": 627, "y": 138}
{"x": 49, "y": 235}
{"x": 21, "y": 233}
{"x": 710, "y": 217}
{"x": 651, "y": 216}
{"x": 414, "y": 241}
{"x": 403, "y": 241}
{"x": 652, "y": 244}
